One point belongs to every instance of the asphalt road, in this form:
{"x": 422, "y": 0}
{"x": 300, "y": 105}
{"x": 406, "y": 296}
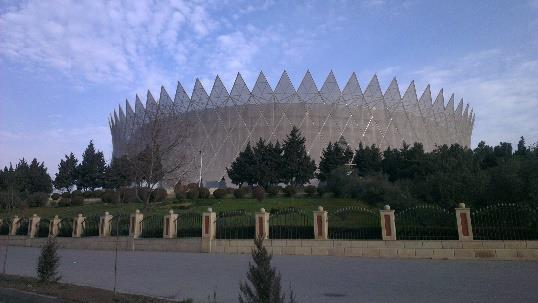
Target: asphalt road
{"x": 314, "y": 279}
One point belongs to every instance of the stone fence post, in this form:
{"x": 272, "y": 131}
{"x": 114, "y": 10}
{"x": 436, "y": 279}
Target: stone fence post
{"x": 15, "y": 224}
{"x": 33, "y": 225}
{"x": 54, "y": 226}
{"x": 105, "y": 226}
{"x": 135, "y": 224}
{"x": 170, "y": 225}
{"x": 78, "y": 226}
{"x": 262, "y": 224}
{"x": 463, "y": 219}
{"x": 321, "y": 226}
{"x": 388, "y": 225}
{"x": 209, "y": 229}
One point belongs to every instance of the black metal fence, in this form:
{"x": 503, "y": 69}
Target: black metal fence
{"x": 4, "y": 227}
{"x": 426, "y": 222}
{"x": 120, "y": 225}
{"x": 237, "y": 224}
{"x": 354, "y": 222}
{"x": 291, "y": 223}
{"x": 23, "y": 227}
{"x": 152, "y": 227}
{"x": 505, "y": 221}
{"x": 91, "y": 226}
{"x": 189, "y": 225}
{"x": 65, "y": 228}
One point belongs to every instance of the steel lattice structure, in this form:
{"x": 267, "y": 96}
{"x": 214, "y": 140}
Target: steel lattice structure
{"x": 223, "y": 122}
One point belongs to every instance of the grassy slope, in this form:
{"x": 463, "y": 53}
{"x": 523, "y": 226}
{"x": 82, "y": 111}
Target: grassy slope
{"x": 248, "y": 204}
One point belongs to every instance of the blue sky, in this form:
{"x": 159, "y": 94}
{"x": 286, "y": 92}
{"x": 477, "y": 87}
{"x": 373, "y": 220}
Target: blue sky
{"x": 65, "y": 65}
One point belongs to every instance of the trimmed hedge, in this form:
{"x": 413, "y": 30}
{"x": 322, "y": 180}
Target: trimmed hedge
{"x": 219, "y": 193}
{"x": 77, "y": 200}
{"x": 38, "y": 199}
{"x": 290, "y": 190}
{"x": 158, "y": 195}
{"x": 55, "y": 196}
{"x": 193, "y": 193}
{"x": 310, "y": 190}
{"x": 66, "y": 195}
{"x": 110, "y": 196}
{"x": 241, "y": 192}
{"x": 64, "y": 202}
{"x": 273, "y": 190}
{"x": 259, "y": 193}
{"x": 204, "y": 193}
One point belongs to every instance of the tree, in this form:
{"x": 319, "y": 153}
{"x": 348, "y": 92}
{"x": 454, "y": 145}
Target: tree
{"x": 38, "y": 178}
{"x": 521, "y": 148}
{"x": 66, "y": 177}
{"x": 333, "y": 156}
{"x": 91, "y": 171}
{"x": 367, "y": 160}
{"x": 49, "y": 261}
{"x": 119, "y": 173}
{"x": 268, "y": 163}
{"x": 264, "y": 286}
{"x": 243, "y": 168}
{"x": 298, "y": 168}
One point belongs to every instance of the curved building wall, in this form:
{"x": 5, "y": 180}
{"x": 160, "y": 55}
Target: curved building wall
{"x": 223, "y": 122}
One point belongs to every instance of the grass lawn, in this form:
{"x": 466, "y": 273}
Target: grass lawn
{"x": 199, "y": 205}
{"x": 67, "y": 292}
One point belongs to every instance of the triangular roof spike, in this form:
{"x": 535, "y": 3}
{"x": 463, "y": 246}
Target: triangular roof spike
{"x": 151, "y": 105}
{"x": 410, "y": 100}
{"x": 284, "y": 90}
{"x": 122, "y": 114}
{"x": 439, "y": 104}
{"x": 392, "y": 95}
{"x": 308, "y": 91}
{"x": 352, "y": 92}
{"x": 449, "y": 108}
{"x": 181, "y": 98}
{"x": 262, "y": 91}
{"x": 199, "y": 97}
{"x": 116, "y": 120}
{"x": 459, "y": 108}
{"x": 329, "y": 90}
{"x": 373, "y": 95}
{"x": 128, "y": 109}
{"x": 466, "y": 112}
{"x": 425, "y": 103}
{"x": 240, "y": 93}
{"x": 164, "y": 98}
{"x": 219, "y": 95}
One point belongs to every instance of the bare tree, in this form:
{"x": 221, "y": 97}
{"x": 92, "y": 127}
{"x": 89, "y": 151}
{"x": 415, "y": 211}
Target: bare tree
{"x": 155, "y": 141}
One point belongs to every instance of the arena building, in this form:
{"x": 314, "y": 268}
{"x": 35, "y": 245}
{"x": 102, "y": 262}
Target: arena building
{"x": 222, "y": 122}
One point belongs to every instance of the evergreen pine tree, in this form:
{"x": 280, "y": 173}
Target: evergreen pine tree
{"x": 367, "y": 160}
{"x": 91, "y": 171}
{"x": 264, "y": 286}
{"x": 333, "y": 156}
{"x": 521, "y": 148}
{"x": 243, "y": 169}
{"x": 38, "y": 178}
{"x": 49, "y": 261}
{"x": 66, "y": 177}
{"x": 298, "y": 167}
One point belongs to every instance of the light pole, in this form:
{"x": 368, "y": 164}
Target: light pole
{"x": 201, "y": 163}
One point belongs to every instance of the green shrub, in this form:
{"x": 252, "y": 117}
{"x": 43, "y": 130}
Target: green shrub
{"x": 77, "y": 200}
{"x": 48, "y": 262}
{"x": 179, "y": 188}
{"x": 310, "y": 190}
{"x": 55, "y": 196}
{"x": 110, "y": 196}
{"x": 184, "y": 207}
{"x": 129, "y": 195}
{"x": 241, "y": 192}
{"x": 290, "y": 190}
{"x": 181, "y": 196}
{"x": 192, "y": 186}
{"x": 87, "y": 194}
{"x": 204, "y": 193}
{"x": 193, "y": 193}
{"x": 76, "y": 193}
{"x": 219, "y": 193}
{"x": 64, "y": 202}
{"x": 258, "y": 193}
{"x": 158, "y": 195}
{"x": 38, "y": 199}
{"x": 273, "y": 190}
{"x": 98, "y": 193}
{"x": 66, "y": 195}
{"x": 230, "y": 190}
{"x": 144, "y": 193}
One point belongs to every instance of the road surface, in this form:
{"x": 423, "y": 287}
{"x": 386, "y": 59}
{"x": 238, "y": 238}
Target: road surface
{"x": 314, "y": 279}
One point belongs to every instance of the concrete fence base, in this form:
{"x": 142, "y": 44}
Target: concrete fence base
{"x": 493, "y": 250}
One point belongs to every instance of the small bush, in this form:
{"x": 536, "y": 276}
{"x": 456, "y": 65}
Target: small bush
{"x": 64, "y": 202}
{"x": 179, "y": 188}
{"x": 87, "y": 194}
{"x": 66, "y": 195}
{"x": 55, "y": 196}
{"x": 192, "y": 186}
{"x": 38, "y": 199}
{"x": 273, "y": 190}
{"x": 181, "y": 196}
{"x": 310, "y": 190}
{"x": 76, "y": 193}
{"x": 110, "y": 196}
{"x": 230, "y": 190}
{"x": 193, "y": 193}
{"x": 77, "y": 200}
{"x": 241, "y": 192}
{"x": 158, "y": 195}
{"x": 259, "y": 193}
{"x": 98, "y": 193}
{"x": 204, "y": 193}
{"x": 129, "y": 195}
{"x": 48, "y": 263}
{"x": 290, "y": 190}
{"x": 219, "y": 193}
{"x": 144, "y": 193}
{"x": 184, "y": 206}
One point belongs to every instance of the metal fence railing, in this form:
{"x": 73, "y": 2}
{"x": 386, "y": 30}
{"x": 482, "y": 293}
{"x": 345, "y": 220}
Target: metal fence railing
{"x": 120, "y": 225}
{"x": 291, "y": 223}
{"x": 152, "y": 227}
{"x": 505, "y": 221}
{"x": 237, "y": 224}
{"x": 353, "y": 223}
{"x": 426, "y": 222}
{"x": 189, "y": 225}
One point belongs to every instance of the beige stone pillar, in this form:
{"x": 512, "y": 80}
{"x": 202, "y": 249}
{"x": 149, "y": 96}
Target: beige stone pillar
{"x": 463, "y": 219}
{"x": 321, "y": 226}
{"x": 54, "y": 226}
{"x": 262, "y": 224}
{"x": 33, "y": 225}
{"x": 388, "y": 225}
{"x": 15, "y": 224}
{"x": 170, "y": 225}
{"x": 135, "y": 224}
{"x": 105, "y": 224}
{"x": 209, "y": 229}
{"x": 78, "y": 226}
